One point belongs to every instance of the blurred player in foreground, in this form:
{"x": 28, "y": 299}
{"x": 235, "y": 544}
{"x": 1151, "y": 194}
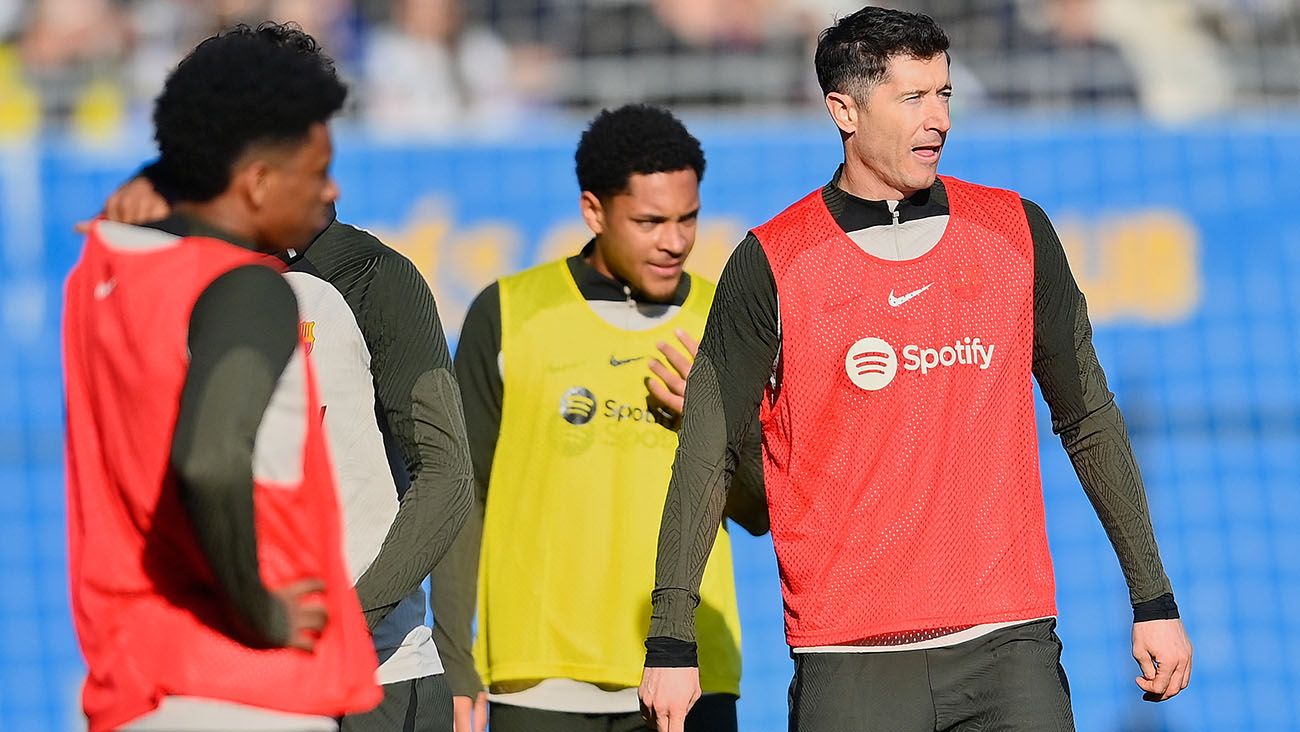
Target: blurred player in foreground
{"x": 386, "y": 378}
{"x": 886, "y": 328}
{"x": 209, "y": 587}
{"x": 569, "y": 377}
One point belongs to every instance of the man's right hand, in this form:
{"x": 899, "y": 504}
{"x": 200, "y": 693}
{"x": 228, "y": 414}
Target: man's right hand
{"x": 470, "y": 712}
{"x": 667, "y": 695}
{"x": 1164, "y": 654}
{"x": 305, "y": 612}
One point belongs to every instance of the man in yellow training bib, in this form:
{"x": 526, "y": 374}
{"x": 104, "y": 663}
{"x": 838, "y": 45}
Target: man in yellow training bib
{"x": 572, "y": 394}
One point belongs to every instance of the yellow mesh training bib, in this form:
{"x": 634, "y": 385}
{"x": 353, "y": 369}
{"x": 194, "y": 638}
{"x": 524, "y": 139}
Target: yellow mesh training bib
{"x": 576, "y": 495}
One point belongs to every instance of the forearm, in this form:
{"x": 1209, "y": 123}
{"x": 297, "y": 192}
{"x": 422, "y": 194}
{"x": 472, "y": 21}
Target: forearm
{"x": 220, "y": 507}
{"x": 1103, "y": 459}
{"x": 455, "y": 583}
{"x": 723, "y": 393}
{"x": 1088, "y": 421}
{"x": 420, "y": 407}
{"x": 693, "y": 507}
{"x": 455, "y": 579}
{"x": 235, "y": 368}
{"x": 433, "y": 508}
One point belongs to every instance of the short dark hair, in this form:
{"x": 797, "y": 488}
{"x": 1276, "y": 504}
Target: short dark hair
{"x": 242, "y": 87}
{"x": 853, "y": 55}
{"x": 636, "y": 138}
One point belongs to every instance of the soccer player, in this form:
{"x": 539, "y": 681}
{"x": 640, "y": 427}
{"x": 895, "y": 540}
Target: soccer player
{"x": 886, "y": 328}
{"x": 386, "y": 377}
{"x": 209, "y": 588}
{"x": 568, "y": 377}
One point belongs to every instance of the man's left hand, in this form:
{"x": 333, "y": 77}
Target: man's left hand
{"x": 1163, "y": 651}
{"x": 470, "y": 714}
{"x": 668, "y": 385}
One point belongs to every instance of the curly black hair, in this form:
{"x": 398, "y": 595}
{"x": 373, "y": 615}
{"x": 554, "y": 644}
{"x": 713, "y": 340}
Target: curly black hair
{"x": 635, "y": 138}
{"x": 241, "y": 87}
{"x": 853, "y": 55}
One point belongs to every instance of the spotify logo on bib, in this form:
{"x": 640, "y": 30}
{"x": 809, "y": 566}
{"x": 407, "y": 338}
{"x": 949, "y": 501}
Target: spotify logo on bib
{"x": 871, "y": 364}
{"x": 578, "y": 405}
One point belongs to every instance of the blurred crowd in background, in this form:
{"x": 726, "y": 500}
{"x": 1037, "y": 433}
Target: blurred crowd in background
{"x": 452, "y": 67}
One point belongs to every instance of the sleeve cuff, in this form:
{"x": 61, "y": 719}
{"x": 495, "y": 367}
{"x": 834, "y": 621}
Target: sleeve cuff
{"x": 262, "y": 622}
{"x": 463, "y": 680}
{"x": 673, "y": 614}
{"x": 664, "y": 652}
{"x": 1160, "y": 608}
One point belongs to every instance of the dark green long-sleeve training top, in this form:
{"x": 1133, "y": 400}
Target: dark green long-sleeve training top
{"x": 243, "y": 331}
{"x": 737, "y": 358}
{"x": 482, "y": 389}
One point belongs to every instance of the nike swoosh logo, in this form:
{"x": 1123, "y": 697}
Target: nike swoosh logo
{"x": 105, "y": 288}
{"x": 614, "y": 361}
{"x": 896, "y": 301}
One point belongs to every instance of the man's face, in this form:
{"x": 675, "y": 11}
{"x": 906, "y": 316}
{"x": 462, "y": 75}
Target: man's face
{"x": 644, "y": 234}
{"x": 297, "y": 193}
{"x": 902, "y": 127}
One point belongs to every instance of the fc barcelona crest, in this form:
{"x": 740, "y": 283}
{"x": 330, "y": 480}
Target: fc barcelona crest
{"x": 307, "y": 334}
{"x": 967, "y": 281}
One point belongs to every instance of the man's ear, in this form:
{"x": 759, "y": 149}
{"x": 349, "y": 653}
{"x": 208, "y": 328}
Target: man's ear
{"x": 251, "y": 182}
{"x": 843, "y": 108}
{"x": 593, "y": 212}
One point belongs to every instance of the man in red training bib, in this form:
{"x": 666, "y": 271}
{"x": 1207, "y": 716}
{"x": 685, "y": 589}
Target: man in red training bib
{"x": 886, "y": 328}
{"x": 209, "y": 589}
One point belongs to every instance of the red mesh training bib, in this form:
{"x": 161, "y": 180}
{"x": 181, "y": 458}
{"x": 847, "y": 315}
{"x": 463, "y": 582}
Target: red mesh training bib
{"x": 899, "y": 442}
{"x": 144, "y": 603}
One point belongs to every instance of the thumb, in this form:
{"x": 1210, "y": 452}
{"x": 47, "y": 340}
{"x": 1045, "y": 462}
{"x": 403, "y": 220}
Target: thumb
{"x": 1146, "y": 663}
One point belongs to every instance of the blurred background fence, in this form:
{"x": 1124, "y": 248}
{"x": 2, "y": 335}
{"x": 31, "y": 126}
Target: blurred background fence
{"x": 1161, "y": 136}
{"x": 444, "y": 67}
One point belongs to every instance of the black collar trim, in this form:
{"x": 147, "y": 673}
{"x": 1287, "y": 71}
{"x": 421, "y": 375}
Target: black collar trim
{"x": 854, "y": 214}
{"x": 595, "y": 286}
